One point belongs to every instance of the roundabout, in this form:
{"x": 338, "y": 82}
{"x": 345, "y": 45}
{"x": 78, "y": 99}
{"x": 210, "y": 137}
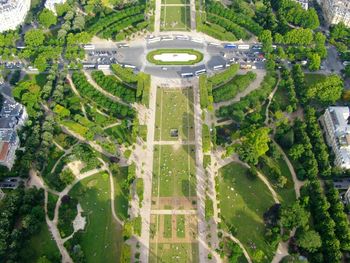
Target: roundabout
{"x": 174, "y": 57}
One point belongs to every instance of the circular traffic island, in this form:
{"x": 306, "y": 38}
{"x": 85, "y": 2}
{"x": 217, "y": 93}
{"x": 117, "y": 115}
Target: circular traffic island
{"x": 174, "y": 57}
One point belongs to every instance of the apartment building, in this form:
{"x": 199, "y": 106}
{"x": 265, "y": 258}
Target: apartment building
{"x": 336, "y": 11}
{"x": 336, "y": 124}
{"x": 12, "y": 13}
{"x": 12, "y": 116}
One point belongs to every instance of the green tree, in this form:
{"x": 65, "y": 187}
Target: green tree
{"x": 266, "y": 40}
{"x": 309, "y": 240}
{"x": 314, "y": 61}
{"x": 294, "y": 216}
{"x": 34, "y": 38}
{"x": 47, "y": 18}
{"x": 326, "y": 91}
{"x": 254, "y": 145}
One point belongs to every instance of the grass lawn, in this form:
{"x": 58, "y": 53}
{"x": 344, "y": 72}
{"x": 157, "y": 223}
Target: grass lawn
{"x": 175, "y": 18}
{"x": 167, "y": 232}
{"x": 286, "y": 194}
{"x": 243, "y": 201}
{"x": 172, "y": 2}
{"x": 312, "y": 78}
{"x": 174, "y": 253}
{"x": 174, "y": 111}
{"x": 41, "y": 245}
{"x": 174, "y": 171}
{"x": 102, "y": 238}
{"x": 121, "y": 196}
{"x": 180, "y": 226}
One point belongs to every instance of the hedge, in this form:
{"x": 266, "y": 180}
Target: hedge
{"x": 125, "y": 74}
{"x": 224, "y": 76}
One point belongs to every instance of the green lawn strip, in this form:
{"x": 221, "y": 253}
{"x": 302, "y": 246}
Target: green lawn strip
{"x": 121, "y": 195}
{"x": 216, "y": 31}
{"x": 174, "y": 111}
{"x": 139, "y": 189}
{"x": 143, "y": 132}
{"x": 174, "y": 253}
{"x": 151, "y": 54}
{"x": 137, "y": 225}
{"x": 209, "y": 208}
{"x": 180, "y": 226}
{"x": 206, "y": 160}
{"x": 175, "y": 18}
{"x": 143, "y": 88}
{"x": 101, "y": 241}
{"x": 167, "y": 231}
{"x": 243, "y": 201}
{"x": 41, "y": 245}
{"x": 174, "y": 171}
{"x": 206, "y": 140}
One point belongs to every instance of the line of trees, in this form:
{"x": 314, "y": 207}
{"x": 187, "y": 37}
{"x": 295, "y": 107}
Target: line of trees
{"x": 101, "y": 23}
{"x": 88, "y": 91}
{"x": 115, "y": 87}
{"x": 238, "y": 18}
{"x": 319, "y": 147}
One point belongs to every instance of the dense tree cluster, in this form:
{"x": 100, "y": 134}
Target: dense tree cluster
{"x": 88, "y": 91}
{"x": 47, "y": 18}
{"x": 230, "y": 89}
{"x": 293, "y": 13}
{"x": 21, "y": 216}
{"x": 112, "y": 85}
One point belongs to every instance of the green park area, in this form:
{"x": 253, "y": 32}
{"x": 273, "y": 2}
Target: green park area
{"x": 175, "y": 18}
{"x": 172, "y": 53}
{"x": 174, "y": 171}
{"x": 173, "y": 253}
{"x": 101, "y": 239}
{"x": 243, "y": 201}
{"x": 174, "y": 115}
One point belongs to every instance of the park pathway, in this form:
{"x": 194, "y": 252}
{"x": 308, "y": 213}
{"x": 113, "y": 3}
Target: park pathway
{"x": 157, "y": 14}
{"x": 272, "y": 94}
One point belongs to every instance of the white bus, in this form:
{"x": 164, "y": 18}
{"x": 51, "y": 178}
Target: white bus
{"x": 129, "y": 66}
{"x": 103, "y": 66}
{"x": 153, "y": 40}
{"x": 243, "y": 47}
{"x": 218, "y": 67}
{"x": 197, "y": 40}
{"x": 182, "y": 37}
{"x": 187, "y": 75}
{"x": 88, "y": 66}
{"x": 200, "y": 72}
{"x": 89, "y": 47}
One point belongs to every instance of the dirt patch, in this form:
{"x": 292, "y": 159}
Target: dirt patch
{"x": 176, "y": 203}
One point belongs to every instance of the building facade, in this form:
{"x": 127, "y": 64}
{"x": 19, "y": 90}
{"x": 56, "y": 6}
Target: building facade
{"x": 336, "y": 124}
{"x": 50, "y": 4}
{"x": 12, "y": 13}
{"x": 12, "y": 116}
{"x": 336, "y": 11}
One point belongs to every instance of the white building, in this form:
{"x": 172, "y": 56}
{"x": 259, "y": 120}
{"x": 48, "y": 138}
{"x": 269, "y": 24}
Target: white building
{"x": 12, "y": 13}
{"x": 304, "y": 3}
{"x": 12, "y": 116}
{"x": 336, "y": 11}
{"x": 50, "y": 4}
{"x": 337, "y": 128}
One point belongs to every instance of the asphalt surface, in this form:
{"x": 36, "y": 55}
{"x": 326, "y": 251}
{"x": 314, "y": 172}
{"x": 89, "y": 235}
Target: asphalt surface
{"x": 135, "y": 55}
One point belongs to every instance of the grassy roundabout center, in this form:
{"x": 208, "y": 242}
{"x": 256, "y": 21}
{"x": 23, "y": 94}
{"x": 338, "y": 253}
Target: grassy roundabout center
{"x": 174, "y": 57}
